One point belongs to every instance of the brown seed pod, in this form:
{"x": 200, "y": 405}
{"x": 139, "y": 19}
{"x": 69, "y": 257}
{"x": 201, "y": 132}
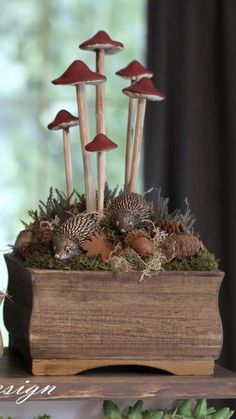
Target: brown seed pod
{"x": 24, "y": 237}
{"x": 178, "y": 246}
{"x": 134, "y": 235}
{"x": 26, "y": 244}
{"x": 143, "y": 246}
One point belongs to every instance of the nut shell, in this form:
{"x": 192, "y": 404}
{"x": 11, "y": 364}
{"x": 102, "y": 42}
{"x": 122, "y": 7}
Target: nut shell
{"x": 143, "y": 246}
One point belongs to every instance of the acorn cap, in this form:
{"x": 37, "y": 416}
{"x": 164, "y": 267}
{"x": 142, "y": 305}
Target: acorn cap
{"x": 63, "y": 120}
{"x": 144, "y": 89}
{"x": 100, "y": 143}
{"x": 101, "y": 40}
{"x": 134, "y": 71}
{"x": 78, "y": 72}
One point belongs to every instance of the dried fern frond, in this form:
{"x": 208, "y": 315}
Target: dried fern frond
{"x": 162, "y": 213}
{"x": 161, "y": 209}
{"x": 188, "y": 219}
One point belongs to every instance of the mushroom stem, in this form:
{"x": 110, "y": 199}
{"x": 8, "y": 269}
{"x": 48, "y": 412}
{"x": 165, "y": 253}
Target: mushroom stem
{"x": 129, "y": 142}
{"x": 100, "y": 93}
{"x": 84, "y": 138}
{"x": 137, "y": 144}
{"x": 100, "y": 129}
{"x": 68, "y": 164}
{"x": 101, "y": 161}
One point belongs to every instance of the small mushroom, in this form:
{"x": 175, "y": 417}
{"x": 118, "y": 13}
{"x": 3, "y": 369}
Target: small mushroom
{"x": 144, "y": 90}
{"x": 100, "y": 144}
{"x": 78, "y": 74}
{"x": 101, "y": 40}
{"x": 134, "y": 71}
{"x": 64, "y": 120}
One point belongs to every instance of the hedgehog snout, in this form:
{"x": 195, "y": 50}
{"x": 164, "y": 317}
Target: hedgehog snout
{"x": 60, "y": 257}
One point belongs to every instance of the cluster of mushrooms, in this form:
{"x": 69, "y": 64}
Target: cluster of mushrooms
{"x": 140, "y": 90}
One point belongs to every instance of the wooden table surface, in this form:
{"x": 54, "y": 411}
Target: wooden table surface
{"x": 115, "y": 382}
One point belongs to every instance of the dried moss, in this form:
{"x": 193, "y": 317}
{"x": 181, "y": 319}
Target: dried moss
{"x": 202, "y": 261}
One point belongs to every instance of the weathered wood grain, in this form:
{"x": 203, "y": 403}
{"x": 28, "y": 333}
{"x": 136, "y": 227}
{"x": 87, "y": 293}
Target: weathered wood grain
{"x": 96, "y": 315}
{"x": 120, "y": 384}
{"x": 75, "y": 366}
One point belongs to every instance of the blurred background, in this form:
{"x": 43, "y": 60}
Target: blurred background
{"x": 190, "y": 139}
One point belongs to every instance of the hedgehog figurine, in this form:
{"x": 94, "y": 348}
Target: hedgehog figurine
{"x": 72, "y": 233}
{"x": 129, "y": 211}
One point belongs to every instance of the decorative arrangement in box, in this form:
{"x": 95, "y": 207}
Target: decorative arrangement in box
{"x": 109, "y": 278}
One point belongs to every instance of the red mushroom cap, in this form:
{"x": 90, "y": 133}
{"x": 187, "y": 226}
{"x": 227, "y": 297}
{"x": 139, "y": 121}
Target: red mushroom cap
{"x": 101, "y": 40}
{"x": 134, "y": 71}
{"x": 144, "y": 89}
{"x": 63, "y": 120}
{"x": 100, "y": 143}
{"x": 78, "y": 72}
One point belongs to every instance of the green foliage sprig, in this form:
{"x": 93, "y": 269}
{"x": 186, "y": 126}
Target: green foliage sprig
{"x": 58, "y": 204}
{"x": 183, "y": 409}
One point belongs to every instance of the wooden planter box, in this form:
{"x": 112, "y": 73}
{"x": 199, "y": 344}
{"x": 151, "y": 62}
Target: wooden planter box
{"x": 70, "y": 321}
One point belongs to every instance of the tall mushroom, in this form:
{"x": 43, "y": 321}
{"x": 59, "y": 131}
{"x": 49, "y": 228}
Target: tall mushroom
{"x": 100, "y": 144}
{"x": 144, "y": 90}
{"x": 101, "y": 44}
{"x": 134, "y": 71}
{"x": 64, "y": 120}
{"x": 78, "y": 74}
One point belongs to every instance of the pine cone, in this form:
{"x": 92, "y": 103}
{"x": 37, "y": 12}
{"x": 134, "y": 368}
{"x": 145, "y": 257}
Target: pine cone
{"x": 43, "y": 233}
{"x": 182, "y": 245}
{"x": 170, "y": 226}
{"x": 134, "y": 235}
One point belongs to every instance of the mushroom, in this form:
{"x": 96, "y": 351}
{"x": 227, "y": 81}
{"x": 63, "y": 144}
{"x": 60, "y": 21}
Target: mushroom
{"x": 64, "y": 120}
{"x": 102, "y": 44}
{"x": 100, "y": 144}
{"x": 134, "y": 71}
{"x": 144, "y": 90}
{"x": 78, "y": 74}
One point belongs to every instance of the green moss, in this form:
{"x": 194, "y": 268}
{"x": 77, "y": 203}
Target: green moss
{"x": 202, "y": 261}
{"x": 133, "y": 259}
{"x": 78, "y": 263}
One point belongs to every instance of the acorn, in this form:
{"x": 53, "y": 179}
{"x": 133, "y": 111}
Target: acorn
{"x": 140, "y": 242}
{"x": 72, "y": 233}
{"x": 129, "y": 211}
